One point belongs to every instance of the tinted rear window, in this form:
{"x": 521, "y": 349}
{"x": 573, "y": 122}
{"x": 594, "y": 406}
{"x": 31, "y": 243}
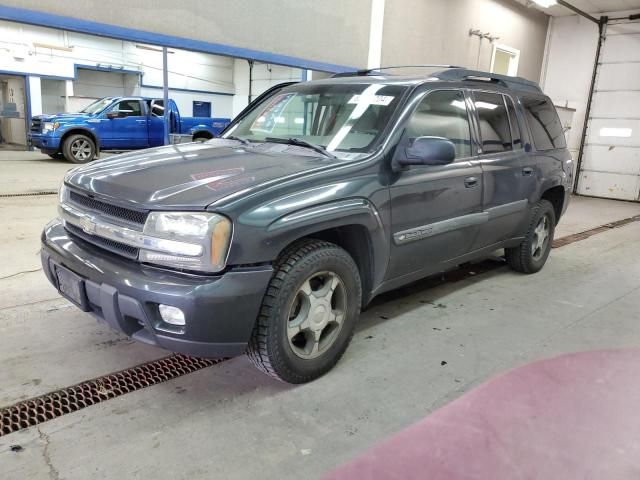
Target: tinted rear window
{"x": 544, "y": 123}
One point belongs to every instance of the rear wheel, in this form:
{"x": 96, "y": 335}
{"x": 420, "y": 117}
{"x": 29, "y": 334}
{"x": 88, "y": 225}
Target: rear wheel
{"x": 531, "y": 255}
{"x": 79, "y": 149}
{"x": 308, "y": 313}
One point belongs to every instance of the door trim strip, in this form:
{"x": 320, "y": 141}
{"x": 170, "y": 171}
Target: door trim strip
{"x": 438, "y": 228}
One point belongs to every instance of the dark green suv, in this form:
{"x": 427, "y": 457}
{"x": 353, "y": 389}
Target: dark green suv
{"x": 318, "y": 197}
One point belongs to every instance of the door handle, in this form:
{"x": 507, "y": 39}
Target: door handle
{"x": 471, "y": 182}
{"x": 527, "y": 172}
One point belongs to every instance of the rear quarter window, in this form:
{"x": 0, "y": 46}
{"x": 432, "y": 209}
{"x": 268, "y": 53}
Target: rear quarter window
{"x": 544, "y": 123}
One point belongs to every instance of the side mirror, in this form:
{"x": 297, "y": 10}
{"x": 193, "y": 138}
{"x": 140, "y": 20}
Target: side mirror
{"x": 428, "y": 151}
{"x": 112, "y": 115}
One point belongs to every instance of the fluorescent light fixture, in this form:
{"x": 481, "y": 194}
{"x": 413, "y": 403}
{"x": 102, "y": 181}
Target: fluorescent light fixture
{"x": 616, "y": 132}
{"x": 545, "y": 3}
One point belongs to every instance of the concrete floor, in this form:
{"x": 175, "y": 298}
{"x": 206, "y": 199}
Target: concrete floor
{"x": 230, "y": 421}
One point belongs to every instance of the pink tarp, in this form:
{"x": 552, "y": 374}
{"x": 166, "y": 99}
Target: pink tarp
{"x": 571, "y": 417}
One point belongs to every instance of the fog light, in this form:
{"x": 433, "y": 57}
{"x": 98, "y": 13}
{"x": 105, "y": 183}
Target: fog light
{"x": 171, "y": 315}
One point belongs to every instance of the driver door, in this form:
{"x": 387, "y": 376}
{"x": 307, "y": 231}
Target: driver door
{"x": 129, "y": 130}
{"x": 436, "y": 210}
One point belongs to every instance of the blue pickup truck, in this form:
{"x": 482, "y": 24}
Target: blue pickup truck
{"x": 115, "y": 123}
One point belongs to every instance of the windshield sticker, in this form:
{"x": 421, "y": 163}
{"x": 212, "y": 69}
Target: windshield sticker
{"x": 383, "y": 100}
{"x": 272, "y": 115}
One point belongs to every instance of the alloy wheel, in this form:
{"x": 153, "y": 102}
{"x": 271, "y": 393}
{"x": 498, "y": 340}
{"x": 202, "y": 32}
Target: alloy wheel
{"x": 316, "y": 315}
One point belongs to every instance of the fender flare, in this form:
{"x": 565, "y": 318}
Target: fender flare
{"x": 315, "y": 219}
{"x": 80, "y": 129}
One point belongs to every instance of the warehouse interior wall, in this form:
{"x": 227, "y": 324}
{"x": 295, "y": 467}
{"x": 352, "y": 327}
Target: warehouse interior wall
{"x": 437, "y": 32}
{"x": 299, "y": 28}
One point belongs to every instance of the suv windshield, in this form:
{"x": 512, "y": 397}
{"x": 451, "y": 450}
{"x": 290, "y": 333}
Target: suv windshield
{"x": 97, "y": 106}
{"x": 337, "y": 117}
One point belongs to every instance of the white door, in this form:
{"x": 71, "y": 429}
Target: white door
{"x": 611, "y": 160}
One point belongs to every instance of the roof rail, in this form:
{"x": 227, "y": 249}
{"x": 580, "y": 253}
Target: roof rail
{"x": 515, "y": 83}
{"x": 375, "y": 71}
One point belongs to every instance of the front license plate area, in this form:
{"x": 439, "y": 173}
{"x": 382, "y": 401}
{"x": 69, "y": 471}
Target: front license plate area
{"x": 71, "y": 286}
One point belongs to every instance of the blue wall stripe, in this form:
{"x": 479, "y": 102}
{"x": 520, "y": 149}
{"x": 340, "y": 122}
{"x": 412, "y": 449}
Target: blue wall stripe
{"x": 33, "y": 17}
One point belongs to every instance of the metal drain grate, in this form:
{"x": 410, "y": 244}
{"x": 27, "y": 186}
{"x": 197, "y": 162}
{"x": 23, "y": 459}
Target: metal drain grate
{"x": 29, "y": 194}
{"x": 576, "y": 237}
{"x": 41, "y": 409}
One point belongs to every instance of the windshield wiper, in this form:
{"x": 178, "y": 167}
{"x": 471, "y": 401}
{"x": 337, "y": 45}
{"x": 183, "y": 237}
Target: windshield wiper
{"x": 301, "y": 143}
{"x": 237, "y": 139}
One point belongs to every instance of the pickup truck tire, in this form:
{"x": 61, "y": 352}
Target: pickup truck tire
{"x": 79, "y": 149}
{"x": 308, "y": 313}
{"x": 531, "y": 255}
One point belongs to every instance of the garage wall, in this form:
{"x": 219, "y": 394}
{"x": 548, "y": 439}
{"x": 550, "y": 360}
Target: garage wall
{"x": 611, "y": 160}
{"x": 307, "y": 29}
{"x": 437, "y": 32}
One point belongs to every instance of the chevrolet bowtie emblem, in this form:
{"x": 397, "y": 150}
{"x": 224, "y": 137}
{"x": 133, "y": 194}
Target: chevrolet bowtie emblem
{"x": 88, "y": 225}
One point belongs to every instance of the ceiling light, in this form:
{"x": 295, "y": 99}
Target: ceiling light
{"x": 545, "y": 3}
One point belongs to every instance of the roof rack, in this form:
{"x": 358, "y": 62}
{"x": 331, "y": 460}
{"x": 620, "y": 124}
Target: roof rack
{"x": 375, "y": 71}
{"x": 515, "y": 83}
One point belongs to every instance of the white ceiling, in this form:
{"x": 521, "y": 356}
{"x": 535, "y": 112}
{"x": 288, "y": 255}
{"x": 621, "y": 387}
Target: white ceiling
{"x": 591, "y": 6}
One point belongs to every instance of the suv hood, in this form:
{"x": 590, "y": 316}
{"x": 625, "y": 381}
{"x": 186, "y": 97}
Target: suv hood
{"x": 192, "y": 175}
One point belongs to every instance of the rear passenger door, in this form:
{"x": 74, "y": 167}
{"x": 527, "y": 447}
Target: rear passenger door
{"x": 504, "y": 174}
{"x": 435, "y": 210}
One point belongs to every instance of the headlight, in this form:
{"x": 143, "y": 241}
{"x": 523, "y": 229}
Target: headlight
{"x": 49, "y": 126}
{"x": 205, "y": 239}
{"x": 63, "y": 193}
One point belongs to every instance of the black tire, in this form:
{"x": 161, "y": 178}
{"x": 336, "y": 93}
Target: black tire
{"x": 202, "y": 137}
{"x": 79, "y": 149}
{"x": 270, "y": 349}
{"x": 529, "y": 257}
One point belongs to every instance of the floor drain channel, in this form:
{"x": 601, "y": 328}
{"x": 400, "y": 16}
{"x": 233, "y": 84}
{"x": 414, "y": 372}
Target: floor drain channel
{"x": 576, "y": 237}
{"x": 41, "y": 409}
{"x": 29, "y": 194}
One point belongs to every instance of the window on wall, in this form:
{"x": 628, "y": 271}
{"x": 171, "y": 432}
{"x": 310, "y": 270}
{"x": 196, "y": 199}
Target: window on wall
{"x": 201, "y": 109}
{"x": 544, "y": 123}
{"x": 495, "y": 130}
{"x": 443, "y": 114}
{"x": 504, "y": 60}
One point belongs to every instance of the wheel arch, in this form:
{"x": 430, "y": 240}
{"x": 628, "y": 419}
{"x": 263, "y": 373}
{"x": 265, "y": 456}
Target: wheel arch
{"x": 80, "y": 131}
{"x": 556, "y": 196}
{"x": 353, "y": 225}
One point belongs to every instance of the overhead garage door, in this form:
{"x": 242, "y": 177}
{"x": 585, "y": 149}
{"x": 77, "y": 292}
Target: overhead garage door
{"x": 611, "y": 160}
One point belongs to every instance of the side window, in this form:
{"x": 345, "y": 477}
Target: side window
{"x": 516, "y": 133}
{"x": 157, "y": 108}
{"x": 443, "y": 114}
{"x": 545, "y": 125}
{"x": 494, "y": 122}
{"x": 130, "y": 108}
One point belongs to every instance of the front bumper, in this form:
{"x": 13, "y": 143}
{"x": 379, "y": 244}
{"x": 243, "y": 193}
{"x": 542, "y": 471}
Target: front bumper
{"x": 43, "y": 142}
{"x": 220, "y": 311}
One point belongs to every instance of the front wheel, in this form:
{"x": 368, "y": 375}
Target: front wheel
{"x": 308, "y": 313}
{"x": 79, "y": 149}
{"x": 531, "y": 255}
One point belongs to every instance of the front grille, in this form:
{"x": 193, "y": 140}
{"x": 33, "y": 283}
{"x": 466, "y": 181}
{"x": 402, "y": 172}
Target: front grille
{"x": 109, "y": 245}
{"x": 36, "y": 125}
{"x": 127, "y": 214}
